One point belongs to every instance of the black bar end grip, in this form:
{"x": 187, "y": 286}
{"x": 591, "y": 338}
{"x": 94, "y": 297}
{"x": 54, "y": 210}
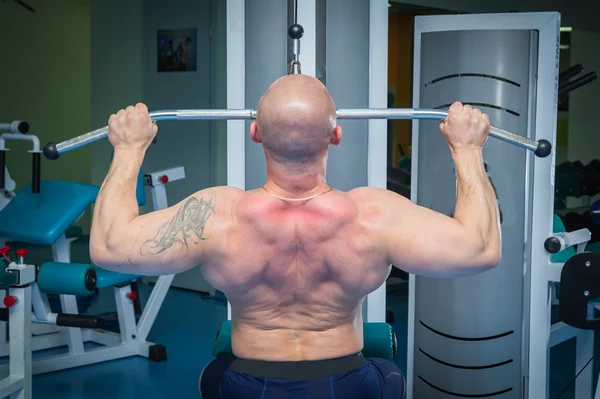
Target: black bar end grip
{"x": 2, "y": 166}
{"x": 50, "y": 151}
{"x": 36, "y": 172}
{"x": 552, "y": 245}
{"x": 544, "y": 148}
{"x": 23, "y": 127}
{"x": 78, "y": 320}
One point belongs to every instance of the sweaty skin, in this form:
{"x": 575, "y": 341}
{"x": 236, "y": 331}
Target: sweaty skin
{"x": 296, "y": 270}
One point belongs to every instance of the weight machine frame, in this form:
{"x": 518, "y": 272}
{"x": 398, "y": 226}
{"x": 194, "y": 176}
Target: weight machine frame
{"x": 540, "y": 273}
{"x": 18, "y": 382}
{"x": 131, "y": 341}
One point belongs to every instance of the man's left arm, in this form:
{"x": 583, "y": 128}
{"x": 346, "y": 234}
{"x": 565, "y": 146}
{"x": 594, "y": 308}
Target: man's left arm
{"x": 162, "y": 242}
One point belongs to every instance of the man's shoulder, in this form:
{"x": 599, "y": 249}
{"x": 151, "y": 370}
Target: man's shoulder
{"x": 362, "y": 195}
{"x": 224, "y": 192}
{"x": 373, "y": 201}
{"x": 221, "y": 197}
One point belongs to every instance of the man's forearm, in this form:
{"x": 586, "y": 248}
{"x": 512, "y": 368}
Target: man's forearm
{"x": 116, "y": 204}
{"x": 476, "y": 204}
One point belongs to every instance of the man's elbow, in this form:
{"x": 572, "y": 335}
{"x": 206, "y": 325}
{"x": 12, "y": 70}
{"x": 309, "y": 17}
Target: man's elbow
{"x": 105, "y": 253}
{"x": 489, "y": 257}
{"x": 101, "y": 256}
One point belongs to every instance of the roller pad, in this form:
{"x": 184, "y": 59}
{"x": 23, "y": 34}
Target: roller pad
{"x": 106, "y": 278}
{"x": 379, "y": 341}
{"x": 66, "y": 278}
{"x": 42, "y": 218}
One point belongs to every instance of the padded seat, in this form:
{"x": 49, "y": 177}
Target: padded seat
{"x": 42, "y": 218}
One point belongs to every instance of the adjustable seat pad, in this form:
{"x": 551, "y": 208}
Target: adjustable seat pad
{"x": 42, "y": 218}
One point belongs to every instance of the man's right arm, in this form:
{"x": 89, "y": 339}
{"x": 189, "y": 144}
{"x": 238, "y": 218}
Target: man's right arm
{"x": 424, "y": 242}
{"x": 429, "y": 243}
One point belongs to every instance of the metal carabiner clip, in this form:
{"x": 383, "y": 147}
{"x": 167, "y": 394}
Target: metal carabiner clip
{"x": 297, "y": 64}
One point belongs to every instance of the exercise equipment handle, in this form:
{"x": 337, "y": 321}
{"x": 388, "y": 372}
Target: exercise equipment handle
{"x": 17, "y": 127}
{"x": 35, "y": 141}
{"x": 53, "y": 151}
{"x": 78, "y": 320}
{"x": 541, "y": 148}
{"x": 36, "y": 172}
{"x": 36, "y": 153}
{"x": 2, "y": 167}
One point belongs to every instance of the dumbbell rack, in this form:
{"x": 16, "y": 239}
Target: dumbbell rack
{"x": 576, "y": 180}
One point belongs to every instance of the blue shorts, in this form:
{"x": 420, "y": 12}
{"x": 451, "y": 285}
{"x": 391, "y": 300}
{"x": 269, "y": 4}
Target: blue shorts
{"x": 343, "y": 378}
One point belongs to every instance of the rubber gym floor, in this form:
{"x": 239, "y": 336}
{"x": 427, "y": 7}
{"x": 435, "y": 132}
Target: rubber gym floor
{"x": 186, "y": 325}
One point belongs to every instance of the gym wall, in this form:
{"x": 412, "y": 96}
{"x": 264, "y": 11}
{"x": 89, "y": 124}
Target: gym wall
{"x": 116, "y": 80}
{"x": 266, "y": 60}
{"x": 45, "y": 79}
{"x": 124, "y": 72}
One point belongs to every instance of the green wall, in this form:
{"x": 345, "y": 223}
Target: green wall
{"x": 45, "y": 79}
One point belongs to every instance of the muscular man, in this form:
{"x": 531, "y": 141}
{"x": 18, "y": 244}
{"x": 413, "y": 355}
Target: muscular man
{"x": 296, "y": 258}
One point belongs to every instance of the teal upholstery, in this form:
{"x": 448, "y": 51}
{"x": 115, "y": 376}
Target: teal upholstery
{"x": 222, "y": 345}
{"x": 70, "y": 278}
{"x": 64, "y": 278}
{"x": 42, "y": 218}
{"x": 140, "y": 190}
{"x": 106, "y": 278}
{"x": 379, "y": 341}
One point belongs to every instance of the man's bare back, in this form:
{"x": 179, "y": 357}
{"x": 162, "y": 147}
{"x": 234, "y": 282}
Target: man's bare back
{"x": 296, "y": 274}
{"x": 295, "y": 258}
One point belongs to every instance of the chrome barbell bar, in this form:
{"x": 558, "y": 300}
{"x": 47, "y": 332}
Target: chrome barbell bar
{"x": 52, "y": 151}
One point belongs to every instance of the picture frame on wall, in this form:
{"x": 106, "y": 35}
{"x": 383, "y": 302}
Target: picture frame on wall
{"x": 177, "y": 50}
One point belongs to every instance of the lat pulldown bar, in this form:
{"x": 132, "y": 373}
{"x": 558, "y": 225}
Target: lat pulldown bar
{"x": 52, "y": 151}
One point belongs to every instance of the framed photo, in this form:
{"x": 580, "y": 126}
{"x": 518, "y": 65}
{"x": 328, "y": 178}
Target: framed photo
{"x": 176, "y": 50}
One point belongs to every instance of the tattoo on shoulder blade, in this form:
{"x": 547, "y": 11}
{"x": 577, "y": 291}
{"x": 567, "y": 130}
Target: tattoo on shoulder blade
{"x": 187, "y": 224}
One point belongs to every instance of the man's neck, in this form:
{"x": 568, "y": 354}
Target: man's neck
{"x": 296, "y": 181}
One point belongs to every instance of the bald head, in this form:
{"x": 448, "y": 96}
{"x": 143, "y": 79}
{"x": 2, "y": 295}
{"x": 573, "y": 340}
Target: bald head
{"x": 296, "y": 119}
